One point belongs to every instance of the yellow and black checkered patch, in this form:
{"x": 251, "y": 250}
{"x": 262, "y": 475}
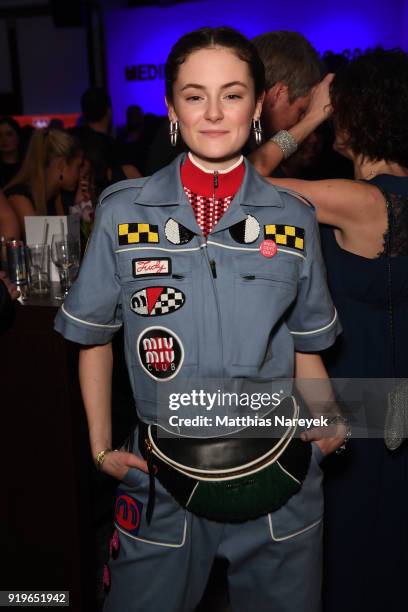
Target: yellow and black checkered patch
{"x": 134, "y": 233}
{"x": 286, "y": 235}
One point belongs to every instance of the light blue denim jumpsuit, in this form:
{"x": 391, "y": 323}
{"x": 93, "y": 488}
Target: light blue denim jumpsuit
{"x": 227, "y": 310}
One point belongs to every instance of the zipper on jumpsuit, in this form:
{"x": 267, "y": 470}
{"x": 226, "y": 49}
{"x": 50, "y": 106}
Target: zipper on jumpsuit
{"x": 149, "y": 450}
{"x": 213, "y": 272}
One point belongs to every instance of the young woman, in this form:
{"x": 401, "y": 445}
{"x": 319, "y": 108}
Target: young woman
{"x": 194, "y": 246}
{"x": 52, "y": 163}
{"x": 365, "y": 246}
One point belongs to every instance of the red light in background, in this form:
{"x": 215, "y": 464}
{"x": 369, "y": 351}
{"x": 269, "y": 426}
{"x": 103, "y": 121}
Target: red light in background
{"x": 43, "y": 121}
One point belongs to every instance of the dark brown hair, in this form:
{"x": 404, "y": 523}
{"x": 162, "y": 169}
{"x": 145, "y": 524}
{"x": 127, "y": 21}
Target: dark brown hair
{"x": 205, "y": 38}
{"x": 370, "y": 102}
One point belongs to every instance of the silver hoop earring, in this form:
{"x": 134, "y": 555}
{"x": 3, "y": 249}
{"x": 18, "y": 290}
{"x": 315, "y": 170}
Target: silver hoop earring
{"x": 174, "y": 130}
{"x": 256, "y": 125}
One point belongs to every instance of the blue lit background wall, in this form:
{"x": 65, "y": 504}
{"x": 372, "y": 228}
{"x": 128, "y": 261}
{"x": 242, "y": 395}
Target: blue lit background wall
{"x": 145, "y": 35}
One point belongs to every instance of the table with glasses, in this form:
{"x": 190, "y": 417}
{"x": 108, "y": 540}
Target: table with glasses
{"x": 57, "y": 506}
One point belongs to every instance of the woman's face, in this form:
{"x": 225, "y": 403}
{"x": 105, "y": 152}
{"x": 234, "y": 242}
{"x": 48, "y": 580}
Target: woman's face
{"x": 214, "y": 103}
{"x": 71, "y": 173}
{"x": 8, "y": 139}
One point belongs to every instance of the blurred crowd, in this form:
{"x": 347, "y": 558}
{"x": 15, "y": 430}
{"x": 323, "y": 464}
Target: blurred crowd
{"x": 56, "y": 171}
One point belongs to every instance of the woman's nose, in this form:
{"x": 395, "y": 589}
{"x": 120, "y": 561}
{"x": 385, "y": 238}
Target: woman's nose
{"x": 214, "y": 110}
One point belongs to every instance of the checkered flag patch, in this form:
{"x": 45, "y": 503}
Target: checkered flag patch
{"x": 170, "y": 299}
{"x": 286, "y": 235}
{"x": 156, "y": 301}
{"x": 137, "y": 233}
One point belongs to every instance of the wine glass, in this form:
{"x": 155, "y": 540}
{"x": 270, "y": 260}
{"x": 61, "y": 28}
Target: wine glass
{"x": 65, "y": 255}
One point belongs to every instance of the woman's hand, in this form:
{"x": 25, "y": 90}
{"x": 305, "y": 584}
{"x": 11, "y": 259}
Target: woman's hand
{"x": 320, "y": 104}
{"x": 328, "y": 439}
{"x": 314, "y": 385}
{"x": 117, "y": 463}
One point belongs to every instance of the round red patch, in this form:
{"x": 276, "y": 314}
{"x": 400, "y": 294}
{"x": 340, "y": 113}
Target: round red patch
{"x": 128, "y": 512}
{"x": 268, "y": 248}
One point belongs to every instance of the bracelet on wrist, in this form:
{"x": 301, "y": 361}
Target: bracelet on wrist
{"x": 285, "y": 141}
{"x": 100, "y": 457}
{"x": 339, "y": 419}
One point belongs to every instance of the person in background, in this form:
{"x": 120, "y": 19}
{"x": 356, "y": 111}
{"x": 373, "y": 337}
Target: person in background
{"x": 296, "y": 98}
{"x": 131, "y": 144}
{"x": 9, "y": 224}
{"x": 292, "y": 69}
{"x": 52, "y": 163}
{"x": 365, "y": 247}
{"x": 9, "y": 228}
{"x": 10, "y": 149}
{"x": 97, "y": 143}
{"x": 26, "y": 132}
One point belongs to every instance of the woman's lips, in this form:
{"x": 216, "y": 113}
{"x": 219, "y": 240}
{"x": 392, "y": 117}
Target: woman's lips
{"x": 214, "y": 133}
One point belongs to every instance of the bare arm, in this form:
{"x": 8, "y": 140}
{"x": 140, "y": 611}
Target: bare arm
{"x": 339, "y": 202}
{"x": 130, "y": 171}
{"x": 268, "y": 156}
{"x": 9, "y": 225}
{"x": 23, "y": 207}
{"x": 95, "y": 376}
{"x": 314, "y": 385}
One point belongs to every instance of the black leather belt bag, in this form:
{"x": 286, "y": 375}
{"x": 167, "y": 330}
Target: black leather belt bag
{"x": 227, "y": 479}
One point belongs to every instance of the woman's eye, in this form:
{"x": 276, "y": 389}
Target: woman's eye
{"x": 233, "y": 96}
{"x": 193, "y": 98}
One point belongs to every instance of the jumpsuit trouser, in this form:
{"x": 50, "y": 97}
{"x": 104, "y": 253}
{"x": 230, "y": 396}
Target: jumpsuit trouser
{"x": 274, "y": 561}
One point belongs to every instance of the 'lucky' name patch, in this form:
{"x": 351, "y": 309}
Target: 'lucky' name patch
{"x": 160, "y": 352}
{"x": 156, "y": 301}
{"x": 286, "y": 235}
{"x": 151, "y": 266}
{"x": 137, "y": 233}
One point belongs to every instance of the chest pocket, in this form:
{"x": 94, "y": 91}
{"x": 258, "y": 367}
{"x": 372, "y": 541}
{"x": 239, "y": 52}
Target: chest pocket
{"x": 162, "y": 301}
{"x": 262, "y": 297}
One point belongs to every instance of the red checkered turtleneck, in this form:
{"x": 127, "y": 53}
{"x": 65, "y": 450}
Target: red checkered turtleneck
{"x": 210, "y": 192}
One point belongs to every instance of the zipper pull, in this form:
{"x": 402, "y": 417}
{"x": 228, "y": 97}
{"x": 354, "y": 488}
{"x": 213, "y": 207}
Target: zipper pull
{"x": 213, "y": 268}
{"x": 215, "y": 179}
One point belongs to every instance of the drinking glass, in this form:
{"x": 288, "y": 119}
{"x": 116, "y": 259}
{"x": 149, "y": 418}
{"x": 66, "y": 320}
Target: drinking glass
{"x": 39, "y": 267}
{"x": 65, "y": 255}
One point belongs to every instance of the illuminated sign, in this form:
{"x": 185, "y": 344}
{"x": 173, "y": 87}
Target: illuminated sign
{"x": 144, "y": 72}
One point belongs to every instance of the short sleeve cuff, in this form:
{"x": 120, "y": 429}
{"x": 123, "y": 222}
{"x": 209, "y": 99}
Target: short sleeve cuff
{"x": 84, "y": 332}
{"x": 319, "y": 339}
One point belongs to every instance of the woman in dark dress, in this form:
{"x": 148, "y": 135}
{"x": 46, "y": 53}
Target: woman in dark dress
{"x": 366, "y": 234}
